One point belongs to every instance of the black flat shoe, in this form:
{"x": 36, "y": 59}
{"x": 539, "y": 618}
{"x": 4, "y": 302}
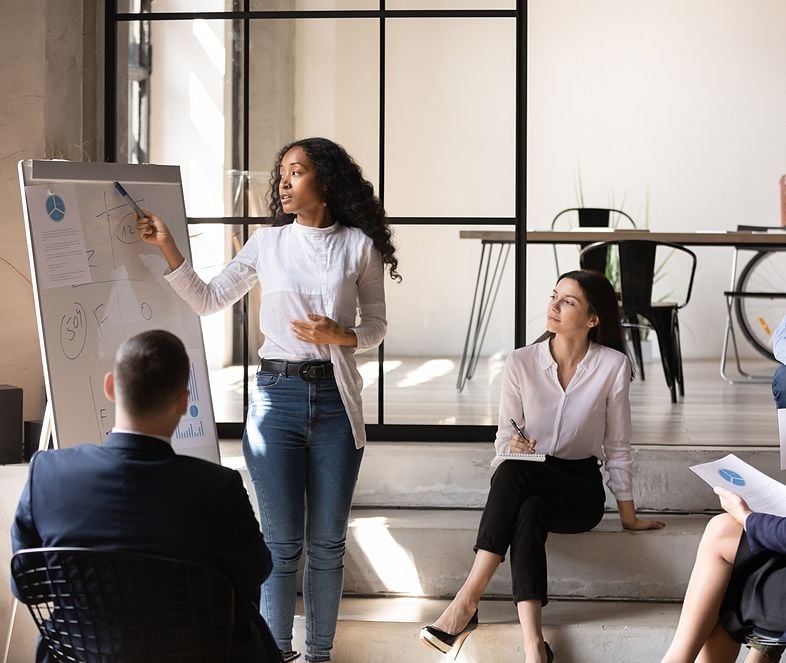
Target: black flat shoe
{"x": 290, "y": 655}
{"x": 434, "y": 638}
{"x": 549, "y": 653}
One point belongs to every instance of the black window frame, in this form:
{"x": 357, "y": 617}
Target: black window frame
{"x": 379, "y": 431}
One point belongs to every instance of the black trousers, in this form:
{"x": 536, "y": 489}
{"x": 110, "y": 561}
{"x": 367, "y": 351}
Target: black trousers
{"x": 526, "y": 501}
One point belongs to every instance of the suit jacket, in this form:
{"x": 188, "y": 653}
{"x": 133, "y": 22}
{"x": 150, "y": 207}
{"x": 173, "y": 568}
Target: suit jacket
{"x": 766, "y": 532}
{"x": 134, "y": 493}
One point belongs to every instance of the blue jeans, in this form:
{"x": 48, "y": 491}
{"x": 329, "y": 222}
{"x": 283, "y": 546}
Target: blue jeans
{"x": 779, "y": 386}
{"x": 301, "y": 455}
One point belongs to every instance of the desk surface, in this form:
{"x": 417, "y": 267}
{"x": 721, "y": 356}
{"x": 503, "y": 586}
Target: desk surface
{"x": 714, "y": 238}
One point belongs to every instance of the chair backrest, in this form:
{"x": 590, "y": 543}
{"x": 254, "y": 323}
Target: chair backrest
{"x": 638, "y": 269}
{"x": 592, "y": 217}
{"x": 589, "y": 217}
{"x": 102, "y": 605}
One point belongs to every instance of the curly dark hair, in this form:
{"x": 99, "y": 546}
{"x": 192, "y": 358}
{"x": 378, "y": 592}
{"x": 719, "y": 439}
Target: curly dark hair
{"x": 349, "y": 196}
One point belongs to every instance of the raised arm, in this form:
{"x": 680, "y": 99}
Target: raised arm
{"x": 234, "y": 281}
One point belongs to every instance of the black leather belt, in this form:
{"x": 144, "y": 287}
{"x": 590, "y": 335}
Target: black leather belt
{"x": 310, "y": 371}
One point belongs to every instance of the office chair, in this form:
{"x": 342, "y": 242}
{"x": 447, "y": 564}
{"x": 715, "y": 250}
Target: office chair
{"x": 95, "y": 606}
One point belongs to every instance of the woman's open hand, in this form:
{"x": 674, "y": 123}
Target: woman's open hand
{"x": 631, "y": 521}
{"x": 643, "y": 524}
{"x": 321, "y": 330}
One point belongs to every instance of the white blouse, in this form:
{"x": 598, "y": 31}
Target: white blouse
{"x": 589, "y": 418}
{"x": 333, "y": 271}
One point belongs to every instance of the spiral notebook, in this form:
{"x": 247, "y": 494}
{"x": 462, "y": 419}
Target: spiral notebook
{"x": 500, "y": 458}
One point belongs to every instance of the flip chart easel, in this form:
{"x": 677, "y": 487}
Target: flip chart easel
{"x": 96, "y": 283}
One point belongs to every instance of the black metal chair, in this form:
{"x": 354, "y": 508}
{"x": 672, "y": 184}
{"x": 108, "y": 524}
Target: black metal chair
{"x": 588, "y": 217}
{"x": 637, "y": 270}
{"x": 94, "y": 606}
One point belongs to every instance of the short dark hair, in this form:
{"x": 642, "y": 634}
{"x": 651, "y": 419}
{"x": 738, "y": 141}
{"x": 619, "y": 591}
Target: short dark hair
{"x": 151, "y": 370}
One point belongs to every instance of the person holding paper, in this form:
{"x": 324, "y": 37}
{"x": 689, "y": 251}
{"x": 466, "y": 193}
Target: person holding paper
{"x": 569, "y": 395}
{"x": 321, "y": 264}
{"x": 736, "y": 588}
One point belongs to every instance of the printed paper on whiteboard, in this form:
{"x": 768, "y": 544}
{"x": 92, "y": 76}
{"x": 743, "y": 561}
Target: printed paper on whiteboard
{"x": 197, "y": 424}
{"x": 59, "y": 240}
{"x": 762, "y": 493}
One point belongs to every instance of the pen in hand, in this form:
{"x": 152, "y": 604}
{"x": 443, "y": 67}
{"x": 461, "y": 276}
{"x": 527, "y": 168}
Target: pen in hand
{"x": 527, "y": 441}
{"x": 121, "y": 190}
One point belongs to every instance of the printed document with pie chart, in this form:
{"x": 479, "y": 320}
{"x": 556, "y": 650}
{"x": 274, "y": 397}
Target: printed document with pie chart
{"x": 57, "y": 227}
{"x": 762, "y": 493}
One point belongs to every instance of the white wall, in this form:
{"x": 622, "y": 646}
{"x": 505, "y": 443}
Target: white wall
{"x": 682, "y": 99}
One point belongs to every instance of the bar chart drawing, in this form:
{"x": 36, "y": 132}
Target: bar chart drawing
{"x": 194, "y": 429}
{"x": 196, "y": 424}
{"x": 193, "y": 387}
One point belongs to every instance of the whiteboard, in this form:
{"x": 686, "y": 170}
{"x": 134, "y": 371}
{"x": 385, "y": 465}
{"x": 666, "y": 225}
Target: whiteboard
{"x": 96, "y": 284}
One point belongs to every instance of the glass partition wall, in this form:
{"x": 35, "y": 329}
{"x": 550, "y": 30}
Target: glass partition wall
{"x": 422, "y": 93}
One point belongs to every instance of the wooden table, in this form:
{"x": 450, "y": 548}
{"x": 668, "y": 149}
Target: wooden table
{"x": 765, "y": 240}
{"x": 488, "y": 281}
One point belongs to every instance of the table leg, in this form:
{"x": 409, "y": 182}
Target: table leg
{"x": 485, "y": 295}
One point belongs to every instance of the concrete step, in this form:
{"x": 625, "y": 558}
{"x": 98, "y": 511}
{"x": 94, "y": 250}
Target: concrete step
{"x": 428, "y": 553}
{"x": 453, "y": 475}
{"x": 386, "y": 631}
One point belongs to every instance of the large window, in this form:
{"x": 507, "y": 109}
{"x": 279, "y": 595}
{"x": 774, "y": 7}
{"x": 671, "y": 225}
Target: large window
{"x": 423, "y": 93}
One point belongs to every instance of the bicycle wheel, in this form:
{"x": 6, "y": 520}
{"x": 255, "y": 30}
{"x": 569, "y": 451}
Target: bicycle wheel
{"x": 758, "y": 317}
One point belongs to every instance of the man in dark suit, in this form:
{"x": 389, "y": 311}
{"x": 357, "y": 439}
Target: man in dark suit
{"x": 133, "y": 493}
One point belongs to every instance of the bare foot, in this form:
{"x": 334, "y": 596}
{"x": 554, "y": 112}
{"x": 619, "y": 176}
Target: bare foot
{"x": 456, "y": 616}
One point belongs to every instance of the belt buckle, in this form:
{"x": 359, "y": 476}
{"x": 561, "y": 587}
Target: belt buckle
{"x": 305, "y": 371}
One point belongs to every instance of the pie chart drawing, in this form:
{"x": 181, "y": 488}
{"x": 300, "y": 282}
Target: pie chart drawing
{"x": 732, "y": 477}
{"x": 55, "y": 207}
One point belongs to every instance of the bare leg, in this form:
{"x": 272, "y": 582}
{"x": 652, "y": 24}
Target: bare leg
{"x": 755, "y": 656}
{"x": 530, "y": 620}
{"x": 708, "y": 581}
{"x": 457, "y": 615}
{"x": 719, "y": 648}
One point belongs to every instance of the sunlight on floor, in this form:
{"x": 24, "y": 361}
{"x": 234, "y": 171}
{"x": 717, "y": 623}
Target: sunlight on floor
{"x": 427, "y": 371}
{"x": 369, "y": 370}
{"x": 387, "y": 558}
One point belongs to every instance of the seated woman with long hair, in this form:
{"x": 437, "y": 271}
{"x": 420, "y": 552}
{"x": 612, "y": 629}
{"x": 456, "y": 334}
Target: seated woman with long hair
{"x": 569, "y": 396}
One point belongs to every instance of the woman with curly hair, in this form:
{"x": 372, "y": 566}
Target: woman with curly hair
{"x": 319, "y": 265}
